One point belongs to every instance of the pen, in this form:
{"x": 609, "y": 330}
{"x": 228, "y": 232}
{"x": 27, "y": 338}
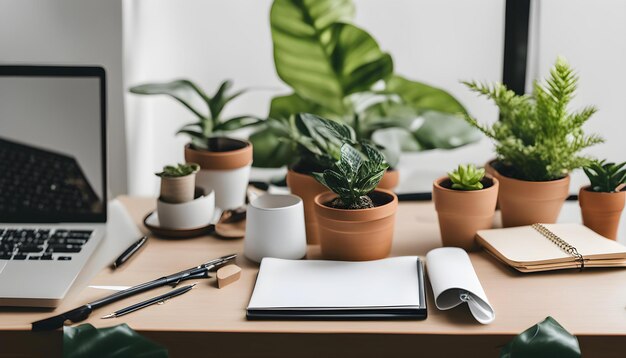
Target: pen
{"x": 129, "y": 252}
{"x": 81, "y": 313}
{"x": 150, "y": 302}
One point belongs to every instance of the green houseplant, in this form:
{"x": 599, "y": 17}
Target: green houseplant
{"x": 356, "y": 220}
{"x": 315, "y": 144}
{"x": 178, "y": 182}
{"x": 538, "y": 141}
{"x": 465, "y": 201}
{"x": 225, "y": 162}
{"x": 337, "y": 70}
{"x": 603, "y": 201}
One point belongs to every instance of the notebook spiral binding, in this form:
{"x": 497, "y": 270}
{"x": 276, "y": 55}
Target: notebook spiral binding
{"x": 562, "y": 244}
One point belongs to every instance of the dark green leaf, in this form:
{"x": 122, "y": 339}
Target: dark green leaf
{"x": 237, "y": 123}
{"x": 545, "y": 339}
{"x": 85, "y": 341}
{"x": 351, "y": 157}
{"x": 269, "y": 150}
{"x": 183, "y": 90}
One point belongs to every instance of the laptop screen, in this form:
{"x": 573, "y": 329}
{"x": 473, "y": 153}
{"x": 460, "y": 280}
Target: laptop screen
{"x": 52, "y": 145}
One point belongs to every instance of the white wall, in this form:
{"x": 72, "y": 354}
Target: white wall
{"x": 436, "y": 41}
{"x": 82, "y": 32}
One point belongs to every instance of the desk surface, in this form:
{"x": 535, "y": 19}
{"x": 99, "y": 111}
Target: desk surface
{"x": 588, "y": 303}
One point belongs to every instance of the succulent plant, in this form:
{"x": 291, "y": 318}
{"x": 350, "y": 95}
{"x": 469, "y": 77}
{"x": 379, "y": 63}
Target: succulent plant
{"x": 354, "y": 176}
{"x": 467, "y": 177}
{"x": 179, "y": 170}
{"x": 605, "y": 177}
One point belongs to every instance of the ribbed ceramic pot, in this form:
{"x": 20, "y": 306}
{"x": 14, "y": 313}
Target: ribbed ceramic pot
{"x": 601, "y": 212}
{"x": 463, "y": 212}
{"x": 525, "y": 202}
{"x": 360, "y": 234}
{"x": 225, "y": 169}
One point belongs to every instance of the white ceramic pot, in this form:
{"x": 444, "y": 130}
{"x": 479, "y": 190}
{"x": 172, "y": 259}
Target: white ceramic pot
{"x": 225, "y": 169}
{"x": 229, "y": 185}
{"x": 189, "y": 215}
{"x": 275, "y": 228}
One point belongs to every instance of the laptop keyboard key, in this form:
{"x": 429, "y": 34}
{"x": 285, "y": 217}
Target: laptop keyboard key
{"x": 64, "y": 258}
{"x": 34, "y": 257}
{"x": 30, "y": 248}
{"x": 19, "y": 257}
{"x": 46, "y": 257}
{"x": 65, "y": 248}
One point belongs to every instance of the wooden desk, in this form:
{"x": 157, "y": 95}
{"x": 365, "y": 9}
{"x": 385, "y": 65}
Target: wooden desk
{"x": 211, "y": 322}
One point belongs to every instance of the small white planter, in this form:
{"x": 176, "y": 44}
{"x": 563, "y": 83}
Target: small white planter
{"x": 189, "y": 215}
{"x": 225, "y": 169}
{"x": 275, "y": 228}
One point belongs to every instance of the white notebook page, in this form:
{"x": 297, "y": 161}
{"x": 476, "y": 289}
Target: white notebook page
{"x": 302, "y": 284}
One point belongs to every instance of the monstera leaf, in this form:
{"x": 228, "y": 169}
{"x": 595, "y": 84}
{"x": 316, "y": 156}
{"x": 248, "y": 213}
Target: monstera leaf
{"x": 545, "y": 339}
{"x": 320, "y": 55}
{"x": 85, "y": 341}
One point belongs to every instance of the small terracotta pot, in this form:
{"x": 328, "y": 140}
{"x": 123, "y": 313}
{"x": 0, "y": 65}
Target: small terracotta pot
{"x": 176, "y": 190}
{"x": 225, "y": 169}
{"x": 390, "y": 180}
{"x": 307, "y": 188}
{"x": 602, "y": 211}
{"x": 528, "y": 202}
{"x": 463, "y": 212}
{"x": 491, "y": 170}
{"x": 356, "y": 235}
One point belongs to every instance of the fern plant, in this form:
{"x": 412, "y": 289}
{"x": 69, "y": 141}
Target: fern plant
{"x": 180, "y": 170}
{"x": 354, "y": 176}
{"x": 605, "y": 177}
{"x": 210, "y": 122}
{"x": 537, "y": 138}
{"x": 467, "y": 177}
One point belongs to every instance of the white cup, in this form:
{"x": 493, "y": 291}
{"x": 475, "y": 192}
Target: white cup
{"x": 275, "y": 228}
{"x": 189, "y": 215}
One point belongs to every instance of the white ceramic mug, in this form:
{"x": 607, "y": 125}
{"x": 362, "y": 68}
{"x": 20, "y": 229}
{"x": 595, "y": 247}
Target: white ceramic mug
{"x": 275, "y": 228}
{"x": 189, "y": 215}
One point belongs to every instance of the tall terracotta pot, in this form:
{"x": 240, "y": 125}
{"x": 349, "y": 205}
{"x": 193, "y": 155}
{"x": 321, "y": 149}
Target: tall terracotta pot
{"x": 356, "y": 235}
{"x": 307, "y": 188}
{"x": 390, "y": 179}
{"x": 602, "y": 211}
{"x": 528, "y": 202}
{"x": 463, "y": 212}
{"x": 225, "y": 169}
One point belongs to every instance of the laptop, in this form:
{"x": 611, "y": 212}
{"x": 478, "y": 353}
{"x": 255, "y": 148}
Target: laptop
{"x": 53, "y": 186}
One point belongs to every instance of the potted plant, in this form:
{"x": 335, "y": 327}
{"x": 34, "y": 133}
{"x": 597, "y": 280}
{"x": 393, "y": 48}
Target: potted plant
{"x": 602, "y": 202}
{"x": 225, "y": 162}
{"x": 465, "y": 201}
{"x": 537, "y": 141}
{"x": 178, "y": 183}
{"x": 356, "y": 220}
{"x": 315, "y": 144}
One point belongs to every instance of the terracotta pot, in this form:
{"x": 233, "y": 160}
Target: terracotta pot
{"x": 177, "y": 190}
{"x": 356, "y": 235}
{"x": 463, "y": 212}
{"x": 390, "y": 180}
{"x": 602, "y": 211}
{"x": 528, "y": 202}
{"x": 307, "y": 188}
{"x": 225, "y": 169}
{"x": 491, "y": 170}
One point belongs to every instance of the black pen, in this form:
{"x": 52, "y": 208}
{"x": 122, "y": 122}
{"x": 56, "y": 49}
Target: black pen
{"x": 130, "y": 252}
{"x": 150, "y": 302}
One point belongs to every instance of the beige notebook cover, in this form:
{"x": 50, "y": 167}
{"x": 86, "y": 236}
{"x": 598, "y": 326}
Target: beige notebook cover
{"x": 528, "y": 250}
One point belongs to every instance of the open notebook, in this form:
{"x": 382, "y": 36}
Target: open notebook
{"x": 391, "y": 288}
{"x": 543, "y": 247}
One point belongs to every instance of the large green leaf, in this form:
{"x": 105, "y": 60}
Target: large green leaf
{"x": 286, "y": 106}
{"x": 184, "y": 91}
{"x": 423, "y": 97}
{"x": 446, "y": 131}
{"x": 270, "y": 151}
{"x": 320, "y": 55}
{"x": 85, "y": 341}
{"x": 545, "y": 339}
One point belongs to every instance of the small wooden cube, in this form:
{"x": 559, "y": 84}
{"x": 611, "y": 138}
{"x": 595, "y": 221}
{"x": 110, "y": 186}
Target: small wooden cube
{"x": 227, "y": 275}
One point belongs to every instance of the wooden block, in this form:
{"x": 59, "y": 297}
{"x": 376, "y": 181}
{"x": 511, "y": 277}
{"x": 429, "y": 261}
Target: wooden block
{"x": 227, "y": 275}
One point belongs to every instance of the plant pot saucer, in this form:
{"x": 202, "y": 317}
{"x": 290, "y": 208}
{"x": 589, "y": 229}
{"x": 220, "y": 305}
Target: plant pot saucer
{"x": 151, "y": 221}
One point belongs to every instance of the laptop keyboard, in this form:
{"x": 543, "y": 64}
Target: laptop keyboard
{"x": 43, "y": 244}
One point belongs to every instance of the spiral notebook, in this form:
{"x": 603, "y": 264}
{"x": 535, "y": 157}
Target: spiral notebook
{"x": 391, "y": 288}
{"x": 544, "y": 247}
